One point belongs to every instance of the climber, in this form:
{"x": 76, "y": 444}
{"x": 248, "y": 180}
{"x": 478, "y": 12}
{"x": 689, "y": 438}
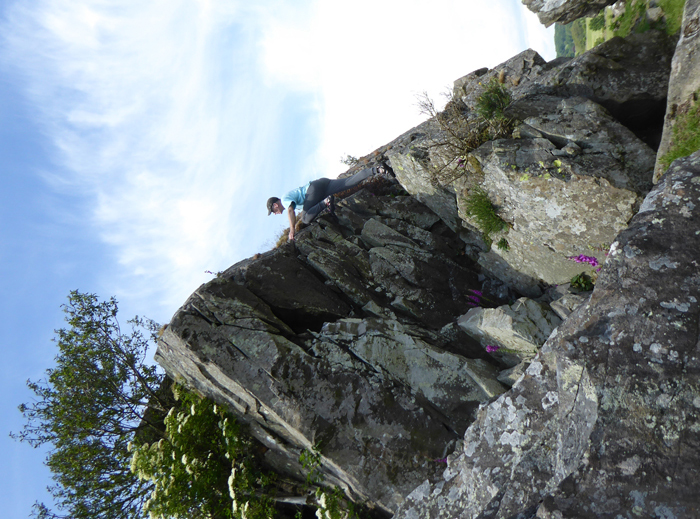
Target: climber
{"x": 317, "y": 195}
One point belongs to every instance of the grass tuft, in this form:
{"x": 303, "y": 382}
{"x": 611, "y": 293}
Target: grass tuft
{"x": 685, "y": 136}
{"x": 479, "y": 207}
{"x": 493, "y": 101}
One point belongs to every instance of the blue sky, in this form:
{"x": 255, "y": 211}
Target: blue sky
{"x": 140, "y": 140}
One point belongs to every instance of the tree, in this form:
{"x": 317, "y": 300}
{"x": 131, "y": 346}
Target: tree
{"x": 90, "y": 407}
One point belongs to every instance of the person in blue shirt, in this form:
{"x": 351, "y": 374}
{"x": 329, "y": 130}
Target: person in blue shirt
{"x": 315, "y": 196}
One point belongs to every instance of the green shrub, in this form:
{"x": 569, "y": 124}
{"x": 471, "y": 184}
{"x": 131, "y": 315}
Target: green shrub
{"x": 461, "y": 132}
{"x": 494, "y": 99}
{"x": 503, "y": 244}
{"x": 481, "y": 210}
{"x": 597, "y": 23}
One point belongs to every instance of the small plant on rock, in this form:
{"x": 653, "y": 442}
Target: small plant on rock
{"x": 463, "y": 130}
{"x": 349, "y": 160}
{"x": 479, "y": 207}
{"x": 503, "y": 245}
{"x": 582, "y": 282}
{"x": 493, "y": 101}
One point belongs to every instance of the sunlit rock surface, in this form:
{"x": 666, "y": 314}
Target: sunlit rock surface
{"x": 362, "y": 341}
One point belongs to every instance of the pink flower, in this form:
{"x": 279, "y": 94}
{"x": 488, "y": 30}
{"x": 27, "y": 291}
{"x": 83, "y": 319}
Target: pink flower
{"x": 491, "y": 348}
{"x": 581, "y": 258}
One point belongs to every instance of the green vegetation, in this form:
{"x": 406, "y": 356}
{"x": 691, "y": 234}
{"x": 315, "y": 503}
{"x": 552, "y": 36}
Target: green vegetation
{"x": 673, "y": 11}
{"x": 311, "y": 461}
{"x": 123, "y": 446}
{"x": 578, "y": 33}
{"x": 633, "y": 19}
{"x": 582, "y": 282}
{"x": 563, "y": 41}
{"x": 503, "y": 244}
{"x": 203, "y": 467}
{"x": 88, "y": 409}
{"x": 494, "y": 99}
{"x": 479, "y": 207}
{"x": 685, "y": 135}
{"x": 349, "y": 160}
{"x": 597, "y": 23}
{"x": 462, "y": 131}
{"x": 585, "y": 33}
{"x": 331, "y": 503}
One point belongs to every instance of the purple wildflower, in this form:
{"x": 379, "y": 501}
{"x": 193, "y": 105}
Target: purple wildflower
{"x": 581, "y": 258}
{"x": 491, "y": 348}
{"x": 477, "y": 292}
{"x": 441, "y": 460}
{"x": 475, "y": 299}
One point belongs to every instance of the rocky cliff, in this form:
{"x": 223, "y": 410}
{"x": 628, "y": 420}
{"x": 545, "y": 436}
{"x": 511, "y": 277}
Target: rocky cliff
{"x": 438, "y": 375}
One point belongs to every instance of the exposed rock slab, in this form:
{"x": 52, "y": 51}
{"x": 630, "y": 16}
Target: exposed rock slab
{"x": 605, "y": 421}
{"x": 565, "y": 11}
{"x": 520, "y": 328}
{"x": 582, "y": 150}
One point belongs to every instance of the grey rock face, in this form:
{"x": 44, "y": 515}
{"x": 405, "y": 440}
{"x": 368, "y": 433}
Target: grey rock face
{"x": 684, "y": 83}
{"x": 560, "y": 205}
{"x": 344, "y": 340}
{"x": 565, "y": 11}
{"x": 573, "y": 174}
{"x": 625, "y": 75}
{"x": 604, "y": 421}
{"x": 519, "y": 329}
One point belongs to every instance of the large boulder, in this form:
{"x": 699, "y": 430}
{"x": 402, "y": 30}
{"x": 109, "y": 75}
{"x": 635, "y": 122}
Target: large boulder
{"x": 518, "y": 330}
{"x": 344, "y": 341}
{"x": 566, "y": 189}
{"x": 604, "y": 421}
{"x": 565, "y": 11}
{"x": 628, "y": 76}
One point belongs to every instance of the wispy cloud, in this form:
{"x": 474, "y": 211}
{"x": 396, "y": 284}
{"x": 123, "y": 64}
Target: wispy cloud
{"x": 173, "y": 119}
{"x": 151, "y": 107}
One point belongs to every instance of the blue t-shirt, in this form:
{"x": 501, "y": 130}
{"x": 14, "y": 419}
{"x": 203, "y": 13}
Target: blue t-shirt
{"x": 296, "y": 197}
